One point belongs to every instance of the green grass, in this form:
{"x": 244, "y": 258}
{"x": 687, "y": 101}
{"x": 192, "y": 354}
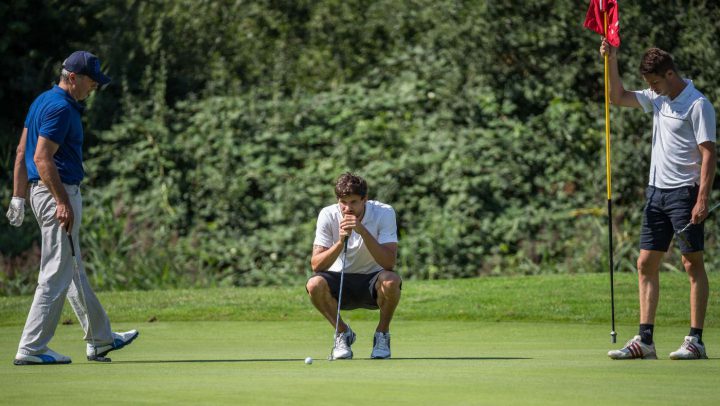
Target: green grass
{"x": 525, "y": 340}
{"x": 552, "y": 298}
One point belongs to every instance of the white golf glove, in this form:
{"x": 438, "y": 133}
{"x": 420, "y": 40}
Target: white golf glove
{"x": 16, "y": 211}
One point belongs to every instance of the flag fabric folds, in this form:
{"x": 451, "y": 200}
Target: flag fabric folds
{"x": 594, "y": 20}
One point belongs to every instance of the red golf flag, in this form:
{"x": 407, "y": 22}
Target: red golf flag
{"x": 594, "y": 20}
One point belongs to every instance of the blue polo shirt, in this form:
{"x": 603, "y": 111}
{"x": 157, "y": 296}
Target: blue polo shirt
{"x": 56, "y": 116}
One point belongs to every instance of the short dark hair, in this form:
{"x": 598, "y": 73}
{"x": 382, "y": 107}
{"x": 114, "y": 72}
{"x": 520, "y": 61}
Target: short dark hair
{"x": 656, "y": 61}
{"x": 348, "y": 184}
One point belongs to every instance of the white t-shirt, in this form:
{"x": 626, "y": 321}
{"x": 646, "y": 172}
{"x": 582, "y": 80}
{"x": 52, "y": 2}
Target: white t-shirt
{"x": 679, "y": 126}
{"x": 379, "y": 220}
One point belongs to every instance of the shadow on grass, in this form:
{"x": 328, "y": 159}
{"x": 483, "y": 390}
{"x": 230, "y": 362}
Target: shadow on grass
{"x": 459, "y": 358}
{"x": 180, "y": 361}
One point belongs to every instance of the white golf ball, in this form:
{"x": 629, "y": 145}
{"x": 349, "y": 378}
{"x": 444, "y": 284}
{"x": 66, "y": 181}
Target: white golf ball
{"x": 308, "y": 360}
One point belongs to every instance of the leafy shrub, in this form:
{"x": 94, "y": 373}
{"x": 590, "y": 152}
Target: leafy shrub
{"x": 480, "y": 122}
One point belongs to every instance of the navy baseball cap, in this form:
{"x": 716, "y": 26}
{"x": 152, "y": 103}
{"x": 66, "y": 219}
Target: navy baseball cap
{"x": 85, "y": 63}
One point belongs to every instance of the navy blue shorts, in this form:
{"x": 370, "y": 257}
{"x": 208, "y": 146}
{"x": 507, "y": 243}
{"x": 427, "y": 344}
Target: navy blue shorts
{"x": 667, "y": 211}
{"x": 358, "y": 289}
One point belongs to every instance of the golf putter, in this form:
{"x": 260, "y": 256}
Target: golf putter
{"x": 680, "y": 234}
{"x": 81, "y": 292}
{"x": 342, "y": 279}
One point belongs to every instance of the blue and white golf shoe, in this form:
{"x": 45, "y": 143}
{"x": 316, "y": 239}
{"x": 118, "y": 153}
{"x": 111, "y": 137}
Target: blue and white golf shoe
{"x": 48, "y": 357}
{"x": 120, "y": 340}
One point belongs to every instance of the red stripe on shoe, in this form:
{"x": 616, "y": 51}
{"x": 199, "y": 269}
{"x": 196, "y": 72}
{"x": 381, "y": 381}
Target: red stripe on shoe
{"x": 635, "y": 350}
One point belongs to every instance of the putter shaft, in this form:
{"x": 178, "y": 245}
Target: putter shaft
{"x": 342, "y": 280}
{"x": 690, "y": 223}
{"x": 81, "y": 293}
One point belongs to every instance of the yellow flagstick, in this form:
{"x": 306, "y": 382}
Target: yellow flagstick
{"x": 613, "y": 334}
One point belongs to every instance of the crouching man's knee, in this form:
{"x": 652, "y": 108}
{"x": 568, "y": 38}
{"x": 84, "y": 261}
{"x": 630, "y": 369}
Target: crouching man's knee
{"x": 389, "y": 282}
{"x": 317, "y": 285}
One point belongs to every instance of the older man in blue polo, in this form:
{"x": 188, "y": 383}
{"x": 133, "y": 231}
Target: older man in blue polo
{"x": 49, "y": 166}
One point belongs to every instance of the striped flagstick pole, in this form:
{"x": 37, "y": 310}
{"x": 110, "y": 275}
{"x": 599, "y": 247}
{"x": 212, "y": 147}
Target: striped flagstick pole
{"x": 613, "y": 334}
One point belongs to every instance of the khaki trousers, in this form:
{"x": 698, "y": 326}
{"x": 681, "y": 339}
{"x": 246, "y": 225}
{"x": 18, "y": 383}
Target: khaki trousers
{"x": 58, "y": 278}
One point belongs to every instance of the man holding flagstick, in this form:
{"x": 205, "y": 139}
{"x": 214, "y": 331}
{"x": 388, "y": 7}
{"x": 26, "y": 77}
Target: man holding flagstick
{"x": 682, "y": 169}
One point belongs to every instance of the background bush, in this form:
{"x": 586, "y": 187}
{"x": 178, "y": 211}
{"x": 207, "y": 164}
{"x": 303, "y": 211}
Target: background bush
{"x": 482, "y": 123}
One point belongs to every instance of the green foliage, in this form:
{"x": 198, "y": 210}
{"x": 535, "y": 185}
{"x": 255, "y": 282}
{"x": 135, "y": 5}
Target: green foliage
{"x": 481, "y": 123}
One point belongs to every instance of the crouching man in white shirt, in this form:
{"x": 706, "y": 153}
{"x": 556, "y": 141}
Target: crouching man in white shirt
{"x": 357, "y": 237}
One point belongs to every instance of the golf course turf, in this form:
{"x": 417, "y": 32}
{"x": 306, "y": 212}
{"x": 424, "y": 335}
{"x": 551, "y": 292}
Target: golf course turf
{"x": 524, "y": 340}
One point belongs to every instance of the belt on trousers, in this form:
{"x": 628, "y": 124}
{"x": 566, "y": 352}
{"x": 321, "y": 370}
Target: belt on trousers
{"x": 40, "y": 182}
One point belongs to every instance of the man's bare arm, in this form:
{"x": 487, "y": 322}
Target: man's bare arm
{"x": 51, "y": 178}
{"x": 324, "y": 257}
{"x": 20, "y": 177}
{"x": 384, "y": 254}
{"x": 618, "y": 95}
{"x": 707, "y": 175}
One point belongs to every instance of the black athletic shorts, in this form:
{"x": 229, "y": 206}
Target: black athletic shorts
{"x": 358, "y": 289}
{"x": 667, "y": 211}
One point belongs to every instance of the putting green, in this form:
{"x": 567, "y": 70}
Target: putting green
{"x": 434, "y": 362}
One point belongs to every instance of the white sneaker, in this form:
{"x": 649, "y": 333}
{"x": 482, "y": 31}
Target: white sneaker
{"x": 48, "y": 357}
{"x": 120, "y": 340}
{"x": 381, "y": 346}
{"x": 343, "y": 343}
{"x": 690, "y": 349}
{"x": 634, "y": 349}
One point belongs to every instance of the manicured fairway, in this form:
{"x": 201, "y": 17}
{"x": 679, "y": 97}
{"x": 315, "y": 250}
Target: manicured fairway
{"x": 435, "y": 362}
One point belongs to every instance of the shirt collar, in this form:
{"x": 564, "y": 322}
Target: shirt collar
{"x": 59, "y": 90}
{"x": 686, "y": 92}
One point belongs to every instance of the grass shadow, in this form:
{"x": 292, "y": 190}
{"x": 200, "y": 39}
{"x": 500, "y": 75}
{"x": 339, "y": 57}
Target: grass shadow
{"x": 180, "y": 361}
{"x": 459, "y": 358}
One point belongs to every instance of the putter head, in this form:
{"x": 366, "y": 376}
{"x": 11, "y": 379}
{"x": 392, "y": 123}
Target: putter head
{"x": 98, "y": 358}
{"x": 613, "y": 336}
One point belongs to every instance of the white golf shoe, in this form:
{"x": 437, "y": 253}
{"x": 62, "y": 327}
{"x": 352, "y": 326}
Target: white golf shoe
{"x": 48, "y": 357}
{"x": 381, "y": 346}
{"x": 343, "y": 343}
{"x": 634, "y": 349}
{"x": 690, "y": 349}
{"x": 120, "y": 340}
